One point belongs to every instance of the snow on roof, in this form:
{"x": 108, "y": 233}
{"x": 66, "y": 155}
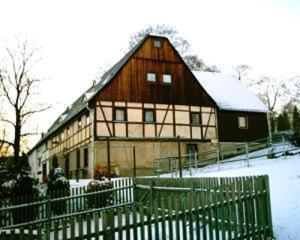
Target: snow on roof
{"x": 229, "y": 93}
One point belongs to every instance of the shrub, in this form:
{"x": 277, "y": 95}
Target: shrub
{"x": 58, "y": 186}
{"x": 24, "y": 191}
{"x": 99, "y": 184}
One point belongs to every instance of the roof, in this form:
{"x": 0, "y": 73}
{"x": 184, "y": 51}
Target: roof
{"x": 229, "y": 93}
{"x": 82, "y": 102}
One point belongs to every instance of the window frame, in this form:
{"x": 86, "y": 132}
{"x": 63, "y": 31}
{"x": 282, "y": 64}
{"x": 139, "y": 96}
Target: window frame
{"x": 246, "y": 122}
{"x": 125, "y": 114}
{"x": 167, "y": 74}
{"x": 200, "y": 118}
{"x": 157, "y": 41}
{"x": 144, "y": 115}
{"x": 150, "y": 81}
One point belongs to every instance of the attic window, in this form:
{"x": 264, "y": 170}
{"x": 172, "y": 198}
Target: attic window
{"x": 157, "y": 43}
{"x": 167, "y": 78}
{"x": 151, "y": 77}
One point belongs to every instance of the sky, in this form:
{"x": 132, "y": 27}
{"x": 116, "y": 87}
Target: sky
{"x": 77, "y": 38}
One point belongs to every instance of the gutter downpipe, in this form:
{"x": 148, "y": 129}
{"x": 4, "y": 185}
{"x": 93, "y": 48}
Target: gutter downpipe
{"x": 93, "y": 138}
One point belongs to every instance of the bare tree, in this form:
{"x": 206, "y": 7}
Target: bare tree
{"x": 241, "y": 71}
{"x": 18, "y": 86}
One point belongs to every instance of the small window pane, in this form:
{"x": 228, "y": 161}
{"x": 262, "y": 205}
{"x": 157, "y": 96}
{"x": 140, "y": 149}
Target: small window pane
{"x": 195, "y": 118}
{"x": 87, "y": 119}
{"x": 120, "y": 114}
{"x": 157, "y": 43}
{"x": 151, "y": 77}
{"x": 242, "y": 122}
{"x": 167, "y": 78}
{"x": 149, "y": 116}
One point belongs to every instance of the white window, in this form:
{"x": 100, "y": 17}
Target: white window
{"x": 120, "y": 114}
{"x": 167, "y": 78}
{"x": 243, "y": 122}
{"x": 157, "y": 43}
{"x": 149, "y": 116}
{"x": 79, "y": 123}
{"x": 151, "y": 77}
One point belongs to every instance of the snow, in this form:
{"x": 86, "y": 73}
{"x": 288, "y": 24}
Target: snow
{"x": 229, "y": 93}
{"x": 284, "y": 175}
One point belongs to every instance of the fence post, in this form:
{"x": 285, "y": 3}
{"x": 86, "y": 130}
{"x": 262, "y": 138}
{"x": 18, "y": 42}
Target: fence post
{"x": 190, "y": 162}
{"x": 283, "y": 143}
{"x": 247, "y": 154}
{"x": 218, "y": 157}
{"x": 48, "y": 208}
{"x": 179, "y": 156}
{"x": 196, "y": 161}
{"x": 171, "y": 163}
{"x": 268, "y": 204}
{"x": 108, "y": 157}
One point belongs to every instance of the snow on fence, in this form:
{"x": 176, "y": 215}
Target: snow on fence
{"x": 278, "y": 145}
{"x": 195, "y": 208}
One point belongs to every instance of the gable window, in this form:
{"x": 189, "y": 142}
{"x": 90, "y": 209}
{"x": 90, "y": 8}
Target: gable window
{"x": 196, "y": 118}
{"x": 149, "y": 116}
{"x": 79, "y": 123}
{"x": 167, "y": 78}
{"x": 157, "y": 43}
{"x": 120, "y": 114}
{"x": 151, "y": 77}
{"x": 243, "y": 122}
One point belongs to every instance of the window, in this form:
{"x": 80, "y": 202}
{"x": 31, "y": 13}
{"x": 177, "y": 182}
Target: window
{"x": 40, "y": 162}
{"x": 120, "y": 114}
{"x": 196, "y": 118}
{"x": 68, "y": 131}
{"x": 62, "y": 136}
{"x": 191, "y": 148}
{"x": 151, "y": 77}
{"x": 87, "y": 119}
{"x": 79, "y": 123}
{"x": 167, "y": 78}
{"x": 242, "y": 121}
{"x": 157, "y": 43}
{"x": 86, "y": 157}
{"x": 78, "y": 158}
{"x": 149, "y": 116}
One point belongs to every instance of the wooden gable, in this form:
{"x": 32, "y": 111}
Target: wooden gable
{"x": 130, "y": 83}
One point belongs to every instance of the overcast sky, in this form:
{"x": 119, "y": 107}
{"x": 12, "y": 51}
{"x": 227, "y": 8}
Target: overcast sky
{"x": 76, "y": 38}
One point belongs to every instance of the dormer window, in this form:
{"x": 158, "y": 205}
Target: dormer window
{"x": 157, "y": 43}
{"x": 167, "y": 78}
{"x": 151, "y": 77}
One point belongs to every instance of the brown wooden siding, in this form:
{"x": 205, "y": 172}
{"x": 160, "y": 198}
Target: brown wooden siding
{"x": 130, "y": 83}
{"x": 229, "y": 131}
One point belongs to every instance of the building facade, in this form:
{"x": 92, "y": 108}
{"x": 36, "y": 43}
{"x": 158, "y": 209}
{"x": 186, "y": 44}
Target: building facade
{"x": 136, "y": 113}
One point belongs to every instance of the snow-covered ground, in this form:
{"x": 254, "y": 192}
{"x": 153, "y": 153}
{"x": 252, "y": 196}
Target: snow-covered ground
{"x": 284, "y": 175}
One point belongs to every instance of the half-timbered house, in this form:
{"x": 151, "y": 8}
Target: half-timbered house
{"x": 136, "y": 112}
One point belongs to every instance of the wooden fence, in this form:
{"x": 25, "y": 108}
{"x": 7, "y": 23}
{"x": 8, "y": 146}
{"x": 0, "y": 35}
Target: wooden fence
{"x": 78, "y": 201}
{"x": 198, "y": 208}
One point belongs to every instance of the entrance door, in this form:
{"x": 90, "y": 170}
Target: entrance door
{"x": 67, "y": 166}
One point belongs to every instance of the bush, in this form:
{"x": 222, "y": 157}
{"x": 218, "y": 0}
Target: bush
{"x": 58, "y": 186}
{"x": 24, "y": 191}
{"x": 99, "y": 184}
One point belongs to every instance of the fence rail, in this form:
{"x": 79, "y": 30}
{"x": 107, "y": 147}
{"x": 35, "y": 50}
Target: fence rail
{"x": 281, "y": 144}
